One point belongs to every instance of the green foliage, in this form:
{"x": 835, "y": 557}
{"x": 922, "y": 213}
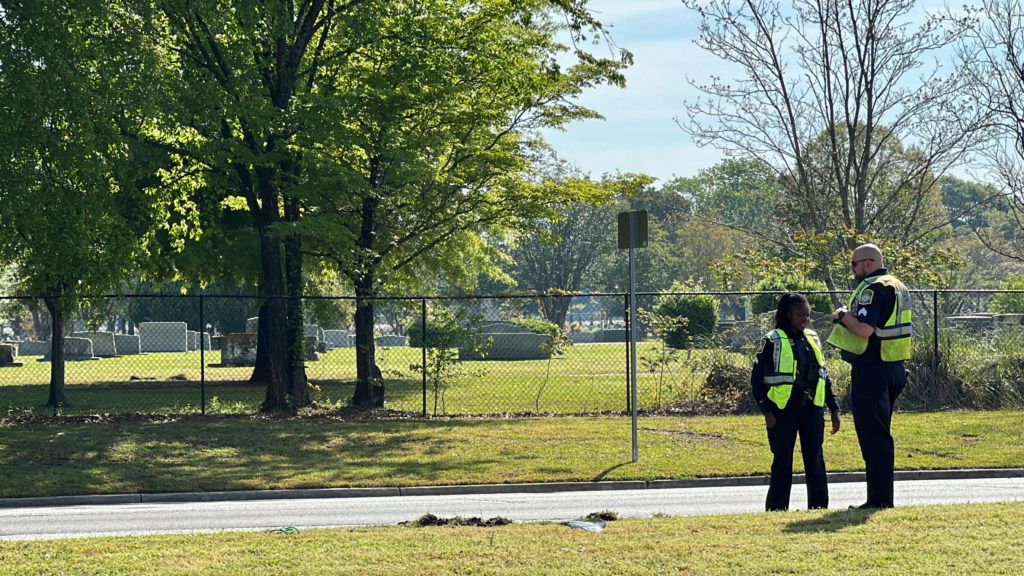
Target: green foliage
{"x": 77, "y": 212}
{"x": 558, "y": 340}
{"x": 699, "y": 310}
{"x": 449, "y": 329}
{"x": 659, "y": 359}
{"x": 441, "y": 329}
{"x": 738, "y": 192}
{"x": 1010, "y": 302}
{"x": 789, "y": 282}
{"x": 557, "y": 253}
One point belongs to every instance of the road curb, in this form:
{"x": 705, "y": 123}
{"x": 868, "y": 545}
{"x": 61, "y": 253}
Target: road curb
{"x": 470, "y": 489}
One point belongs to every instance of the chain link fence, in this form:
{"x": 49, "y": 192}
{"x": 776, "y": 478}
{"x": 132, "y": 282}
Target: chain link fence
{"x": 196, "y": 354}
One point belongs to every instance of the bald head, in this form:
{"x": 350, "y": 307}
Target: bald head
{"x": 866, "y": 259}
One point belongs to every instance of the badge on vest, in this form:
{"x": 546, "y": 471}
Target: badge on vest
{"x": 866, "y": 297}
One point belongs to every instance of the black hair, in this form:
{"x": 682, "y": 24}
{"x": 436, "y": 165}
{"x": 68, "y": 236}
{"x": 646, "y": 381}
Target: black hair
{"x": 789, "y": 301}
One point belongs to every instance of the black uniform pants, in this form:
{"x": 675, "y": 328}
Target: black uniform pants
{"x": 801, "y": 417}
{"x": 873, "y": 391}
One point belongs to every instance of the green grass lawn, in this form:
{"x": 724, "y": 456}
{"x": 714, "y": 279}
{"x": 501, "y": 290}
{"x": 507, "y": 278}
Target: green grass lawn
{"x": 962, "y": 539}
{"x": 233, "y": 453}
{"x": 586, "y": 378}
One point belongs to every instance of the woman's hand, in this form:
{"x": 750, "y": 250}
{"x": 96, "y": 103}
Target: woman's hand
{"x": 769, "y": 420}
{"x": 835, "y": 422}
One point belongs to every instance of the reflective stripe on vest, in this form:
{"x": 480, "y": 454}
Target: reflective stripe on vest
{"x": 894, "y": 335}
{"x": 784, "y": 369}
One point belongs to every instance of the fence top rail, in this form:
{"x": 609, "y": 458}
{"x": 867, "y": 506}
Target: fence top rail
{"x": 416, "y": 298}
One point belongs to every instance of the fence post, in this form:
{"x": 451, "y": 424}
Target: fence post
{"x": 423, "y": 348}
{"x": 202, "y": 356}
{"x": 625, "y": 314}
{"x": 935, "y": 330}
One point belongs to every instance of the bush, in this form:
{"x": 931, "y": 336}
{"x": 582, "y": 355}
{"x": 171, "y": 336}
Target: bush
{"x": 699, "y": 310}
{"x": 414, "y": 330}
{"x": 540, "y": 326}
{"x": 1009, "y": 302}
{"x": 761, "y": 303}
{"x": 444, "y": 326}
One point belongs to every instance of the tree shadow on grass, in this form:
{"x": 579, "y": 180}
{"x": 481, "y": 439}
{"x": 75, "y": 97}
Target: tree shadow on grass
{"x": 234, "y": 453}
{"x": 832, "y": 521}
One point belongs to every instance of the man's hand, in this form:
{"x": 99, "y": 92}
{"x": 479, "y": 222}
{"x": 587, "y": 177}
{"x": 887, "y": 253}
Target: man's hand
{"x": 769, "y": 420}
{"x": 835, "y": 315}
{"x": 835, "y": 422}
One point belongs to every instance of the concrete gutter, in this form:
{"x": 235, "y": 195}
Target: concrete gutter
{"x": 537, "y": 488}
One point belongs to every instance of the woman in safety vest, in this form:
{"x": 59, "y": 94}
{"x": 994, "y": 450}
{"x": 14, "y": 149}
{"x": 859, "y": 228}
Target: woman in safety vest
{"x": 791, "y": 385}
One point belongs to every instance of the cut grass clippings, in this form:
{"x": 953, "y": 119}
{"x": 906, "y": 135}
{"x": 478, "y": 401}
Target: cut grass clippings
{"x": 962, "y": 539}
{"x": 239, "y": 453}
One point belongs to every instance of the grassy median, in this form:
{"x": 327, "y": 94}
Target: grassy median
{"x": 233, "y": 453}
{"x": 962, "y": 539}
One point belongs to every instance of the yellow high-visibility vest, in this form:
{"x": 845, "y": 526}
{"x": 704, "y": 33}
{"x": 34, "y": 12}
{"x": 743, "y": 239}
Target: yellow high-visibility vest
{"x": 894, "y": 335}
{"x": 781, "y": 379}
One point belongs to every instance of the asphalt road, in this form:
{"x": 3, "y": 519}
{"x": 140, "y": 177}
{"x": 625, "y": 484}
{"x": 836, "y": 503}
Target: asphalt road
{"x": 128, "y": 519}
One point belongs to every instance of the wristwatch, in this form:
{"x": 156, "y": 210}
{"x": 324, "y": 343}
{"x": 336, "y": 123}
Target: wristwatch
{"x": 839, "y": 317}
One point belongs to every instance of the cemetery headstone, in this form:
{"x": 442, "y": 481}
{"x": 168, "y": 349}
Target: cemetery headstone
{"x": 506, "y": 341}
{"x": 312, "y": 349}
{"x": 391, "y": 341}
{"x": 163, "y": 336}
{"x": 127, "y": 344}
{"x": 337, "y": 339}
{"x": 8, "y": 355}
{"x": 75, "y": 349}
{"x": 103, "y": 343}
{"x": 238, "y": 349}
{"x": 34, "y": 348}
{"x": 193, "y": 340}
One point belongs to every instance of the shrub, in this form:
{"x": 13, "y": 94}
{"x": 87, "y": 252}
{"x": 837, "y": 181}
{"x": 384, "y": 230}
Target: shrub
{"x": 435, "y": 333}
{"x": 699, "y": 310}
{"x": 540, "y": 326}
{"x": 1010, "y": 302}
{"x": 761, "y": 303}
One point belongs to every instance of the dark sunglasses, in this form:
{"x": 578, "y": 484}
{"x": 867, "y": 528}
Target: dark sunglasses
{"x": 853, "y": 263}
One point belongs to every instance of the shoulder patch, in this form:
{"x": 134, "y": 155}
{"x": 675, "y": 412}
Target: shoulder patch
{"x": 866, "y": 297}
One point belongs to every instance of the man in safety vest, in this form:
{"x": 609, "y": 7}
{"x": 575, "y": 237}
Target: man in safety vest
{"x": 873, "y": 333}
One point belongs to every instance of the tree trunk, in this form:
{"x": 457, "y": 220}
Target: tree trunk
{"x": 40, "y": 325}
{"x": 298, "y": 384}
{"x": 261, "y": 374}
{"x": 369, "y": 390}
{"x": 56, "y": 309}
{"x": 555, "y": 309}
{"x": 273, "y": 324}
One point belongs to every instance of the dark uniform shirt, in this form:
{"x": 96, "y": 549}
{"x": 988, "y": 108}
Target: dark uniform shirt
{"x": 873, "y": 307}
{"x": 807, "y": 374}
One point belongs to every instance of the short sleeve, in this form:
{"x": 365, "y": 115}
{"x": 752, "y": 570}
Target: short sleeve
{"x": 871, "y": 303}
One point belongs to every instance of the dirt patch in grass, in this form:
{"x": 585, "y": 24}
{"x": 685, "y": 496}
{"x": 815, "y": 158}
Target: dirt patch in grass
{"x": 431, "y": 520}
{"x": 713, "y": 437}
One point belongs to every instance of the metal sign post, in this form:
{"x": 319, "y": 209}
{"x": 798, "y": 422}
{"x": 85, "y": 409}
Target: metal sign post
{"x": 633, "y": 235}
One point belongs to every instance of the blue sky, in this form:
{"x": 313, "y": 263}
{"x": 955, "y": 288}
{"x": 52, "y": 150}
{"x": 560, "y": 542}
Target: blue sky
{"x": 639, "y": 133}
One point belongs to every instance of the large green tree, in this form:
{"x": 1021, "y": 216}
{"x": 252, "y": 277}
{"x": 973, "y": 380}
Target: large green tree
{"x": 428, "y": 138}
{"x": 367, "y": 132}
{"x": 76, "y": 215}
{"x": 559, "y": 253}
{"x": 243, "y": 81}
